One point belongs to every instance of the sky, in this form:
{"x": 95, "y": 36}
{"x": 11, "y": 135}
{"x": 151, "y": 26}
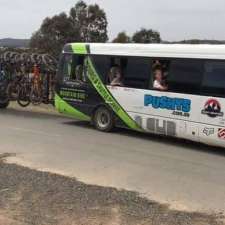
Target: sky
{"x": 174, "y": 19}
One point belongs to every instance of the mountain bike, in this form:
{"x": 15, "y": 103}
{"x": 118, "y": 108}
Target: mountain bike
{"x": 4, "y": 100}
{"x": 36, "y": 93}
{"x": 13, "y": 88}
{"x": 24, "y": 92}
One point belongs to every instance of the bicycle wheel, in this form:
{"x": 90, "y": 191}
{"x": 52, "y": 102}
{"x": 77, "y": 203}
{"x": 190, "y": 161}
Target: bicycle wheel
{"x": 36, "y": 96}
{"x": 23, "y": 96}
{"x": 4, "y": 100}
{"x": 13, "y": 91}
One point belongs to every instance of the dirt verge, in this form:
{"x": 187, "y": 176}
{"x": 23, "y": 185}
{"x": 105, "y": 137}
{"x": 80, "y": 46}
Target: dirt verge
{"x": 29, "y": 197}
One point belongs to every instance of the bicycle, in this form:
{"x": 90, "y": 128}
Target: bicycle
{"x": 4, "y": 100}
{"x": 24, "y": 92}
{"x": 13, "y": 88}
{"x": 36, "y": 94}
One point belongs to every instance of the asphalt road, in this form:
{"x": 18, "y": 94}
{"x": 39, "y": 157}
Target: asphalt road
{"x": 186, "y": 175}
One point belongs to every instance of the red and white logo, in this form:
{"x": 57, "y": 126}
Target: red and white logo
{"x": 221, "y": 133}
{"x": 212, "y": 108}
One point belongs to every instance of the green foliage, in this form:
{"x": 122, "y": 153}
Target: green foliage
{"x": 85, "y": 23}
{"x": 146, "y": 36}
{"x": 122, "y": 37}
{"x": 53, "y": 34}
{"x": 199, "y": 41}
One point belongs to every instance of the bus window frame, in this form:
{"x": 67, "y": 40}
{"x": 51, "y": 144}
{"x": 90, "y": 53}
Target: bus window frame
{"x": 124, "y": 63}
{"x": 61, "y": 69}
{"x": 103, "y": 77}
{"x": 204, "y": 93}
{"x": 198, "y": 91}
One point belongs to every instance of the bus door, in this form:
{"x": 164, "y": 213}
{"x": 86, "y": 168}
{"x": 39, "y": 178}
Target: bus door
{"x": 72, "y": 88}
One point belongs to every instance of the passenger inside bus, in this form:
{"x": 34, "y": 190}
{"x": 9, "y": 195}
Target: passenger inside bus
{"x": 115, "y": 76}
{"x": 159, "y": 82}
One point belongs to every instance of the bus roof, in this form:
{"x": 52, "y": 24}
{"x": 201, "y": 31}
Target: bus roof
{"x": 149, "y": 50}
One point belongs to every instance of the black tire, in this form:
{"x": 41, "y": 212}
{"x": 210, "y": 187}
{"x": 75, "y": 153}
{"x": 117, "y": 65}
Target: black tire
{"x": 35, "y": 97}
{"x": 23, "y": 97}
{"x": 4, "y": 104}
{"x": 13, "y": 91}
{"x": 103, "y": 119}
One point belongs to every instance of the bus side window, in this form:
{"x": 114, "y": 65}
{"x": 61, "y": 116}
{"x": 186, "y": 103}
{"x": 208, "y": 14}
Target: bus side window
{"x": 185, "y": 76}
{"x": 102, "y": 66}
{"x": 137, "y": 72}
{"x": 73, "y": 69}
{"x": 214, "y": 79}
{"x": 67, "y": 67}
{"x": 79, "y": 67}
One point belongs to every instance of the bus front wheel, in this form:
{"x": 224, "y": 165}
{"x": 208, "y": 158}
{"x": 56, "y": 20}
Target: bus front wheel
{"x": 103, "y": 119}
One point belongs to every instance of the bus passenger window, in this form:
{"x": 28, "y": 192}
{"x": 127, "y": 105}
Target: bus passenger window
{"x": 185, "y": 76}
{"x": 214, "y": 79}
{"x": 67, "y": 67}
{"x": 102, "y": 66}
{"x": 137, "y": 72}
{"x": 73, "y": 69}
{"x": 79, "y": 74}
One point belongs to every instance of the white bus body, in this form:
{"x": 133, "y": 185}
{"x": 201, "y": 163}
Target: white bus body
{"x": 198, "y": 116}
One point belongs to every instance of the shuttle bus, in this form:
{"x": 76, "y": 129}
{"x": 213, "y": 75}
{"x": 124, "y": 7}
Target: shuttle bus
{"x": 173, "y": 90}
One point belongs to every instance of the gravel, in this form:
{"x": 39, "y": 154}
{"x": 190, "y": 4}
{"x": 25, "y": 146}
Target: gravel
{"x": 30, "y": 197}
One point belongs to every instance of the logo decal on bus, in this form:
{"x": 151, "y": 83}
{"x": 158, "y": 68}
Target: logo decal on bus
{"x": 158, "y": 126}
{"x": 180, "y": 106}
{"x": 208, "y": 131}
{"x": 221, "y": 133}
{"x": 73, "y": 95}
{"x": 212, "y": 108}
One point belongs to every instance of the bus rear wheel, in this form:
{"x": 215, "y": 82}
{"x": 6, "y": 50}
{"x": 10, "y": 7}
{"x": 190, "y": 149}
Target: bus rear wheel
{"x": 103, "y": 119}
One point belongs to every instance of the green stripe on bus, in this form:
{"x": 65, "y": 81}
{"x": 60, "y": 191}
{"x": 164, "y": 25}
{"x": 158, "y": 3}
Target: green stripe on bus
{"x": 79, "y": 48}
{"x": 109, "y": 99}
{"x": 65, "y": 108}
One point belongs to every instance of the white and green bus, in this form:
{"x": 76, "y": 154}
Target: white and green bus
{"x": 117, "y": 85}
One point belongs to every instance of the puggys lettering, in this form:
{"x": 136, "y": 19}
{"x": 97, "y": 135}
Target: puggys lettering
{"x": 164, "y": 102}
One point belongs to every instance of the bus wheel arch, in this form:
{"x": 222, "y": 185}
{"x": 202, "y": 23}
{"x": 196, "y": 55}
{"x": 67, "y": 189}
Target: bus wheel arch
{"x": 103, "y": 118}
